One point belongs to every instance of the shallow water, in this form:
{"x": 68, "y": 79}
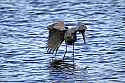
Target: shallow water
{"x": 23, "y": 38}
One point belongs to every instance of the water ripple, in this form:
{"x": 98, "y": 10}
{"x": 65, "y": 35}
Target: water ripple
{"x": 23, "y": 37}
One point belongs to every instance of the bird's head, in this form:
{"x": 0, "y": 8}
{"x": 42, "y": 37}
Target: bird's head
{"x": 81, "y": 27}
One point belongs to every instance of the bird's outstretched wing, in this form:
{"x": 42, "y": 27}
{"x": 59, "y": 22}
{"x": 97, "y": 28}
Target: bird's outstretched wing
{"x": 81, "y": 28}
{"x": 56, "y": 36}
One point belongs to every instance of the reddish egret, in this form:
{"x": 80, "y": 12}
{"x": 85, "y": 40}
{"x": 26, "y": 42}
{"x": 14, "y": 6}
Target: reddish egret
{"x": 58, "y": 33}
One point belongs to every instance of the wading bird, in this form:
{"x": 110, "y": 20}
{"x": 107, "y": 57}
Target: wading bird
{"x": 58, "y": 33}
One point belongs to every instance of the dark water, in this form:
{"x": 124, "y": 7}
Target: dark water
{"x": 23, "y": 36}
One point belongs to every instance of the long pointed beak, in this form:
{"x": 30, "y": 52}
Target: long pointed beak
{"x": 84, "y": 38}
{"x": 83, "y": 34}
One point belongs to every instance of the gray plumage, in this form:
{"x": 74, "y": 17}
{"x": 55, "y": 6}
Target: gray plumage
{"x": 58, "y": 33}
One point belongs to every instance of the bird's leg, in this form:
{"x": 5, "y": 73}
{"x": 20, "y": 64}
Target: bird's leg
{"x": 73, "y": 54}
{"x": 56, "y": 49}
{"x": 56, "y": 52}
{"x": 65, "y": 52}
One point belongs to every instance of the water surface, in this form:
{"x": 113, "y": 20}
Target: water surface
{"x": 23, "y": 37}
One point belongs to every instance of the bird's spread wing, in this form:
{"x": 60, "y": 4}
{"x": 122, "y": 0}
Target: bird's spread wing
{"x": 56, "y": 36}
{"x": 58, "y": 26}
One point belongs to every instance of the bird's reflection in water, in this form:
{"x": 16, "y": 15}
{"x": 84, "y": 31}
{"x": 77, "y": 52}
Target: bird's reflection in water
{"x": 61, "y": 71}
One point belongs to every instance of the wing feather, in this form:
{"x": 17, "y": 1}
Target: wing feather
{"x": 56, "y": 36}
